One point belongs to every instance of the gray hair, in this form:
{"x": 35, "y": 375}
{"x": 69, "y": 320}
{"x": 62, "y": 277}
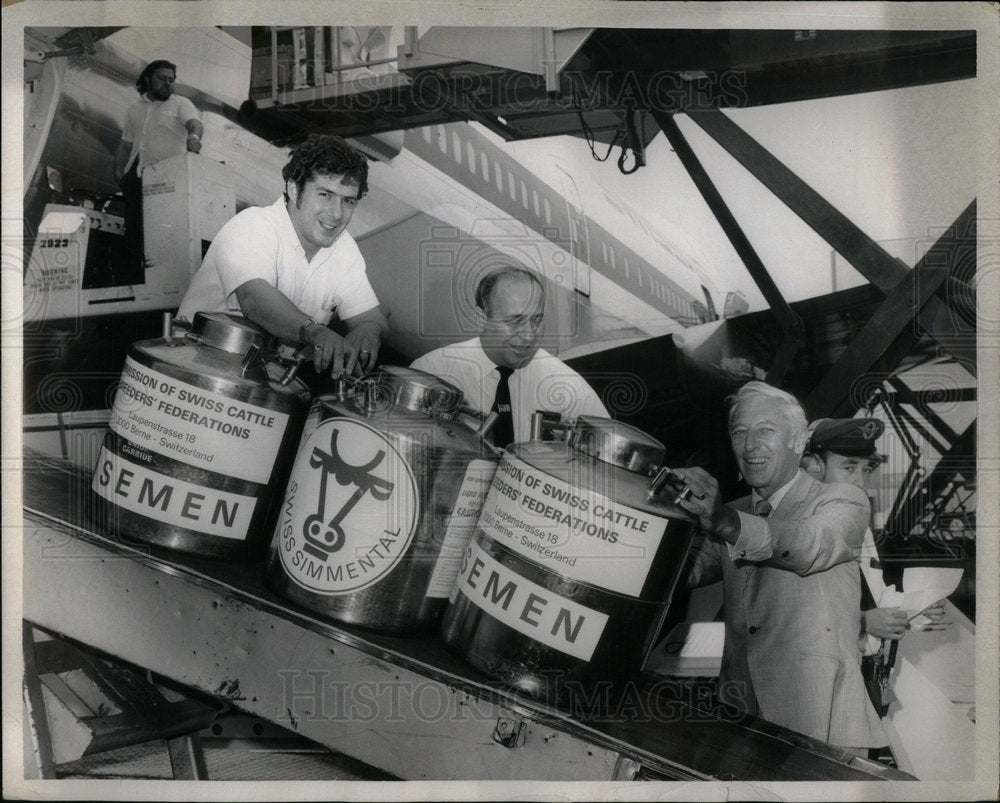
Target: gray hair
{"x": 790, "y": 407}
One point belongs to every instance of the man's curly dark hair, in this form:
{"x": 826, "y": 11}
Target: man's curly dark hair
{"x": 142, "y": 82}
{"x": 328, "y": 155}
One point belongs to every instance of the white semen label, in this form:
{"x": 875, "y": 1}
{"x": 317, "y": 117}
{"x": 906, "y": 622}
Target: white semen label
{"x": 571, "y": 530}
{"x": 529, "y": 608}
{"x": 196, "y": 426}
{"x": 461, "y": 525}
{"x": 171, "y": 500}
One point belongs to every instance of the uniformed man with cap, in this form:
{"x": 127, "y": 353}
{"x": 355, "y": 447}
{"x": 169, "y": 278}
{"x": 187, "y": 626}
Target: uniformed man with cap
{"x": 844, "y": 450}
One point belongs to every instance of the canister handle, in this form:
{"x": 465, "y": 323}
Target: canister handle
{"x": 548, "y": 426}
{"x": 252, "y": 356}
{"x": 172, "y": 328}
{"x": 295, "y": 363}
{"x": 489, "y": 421}
{"x": 664, "y": 477}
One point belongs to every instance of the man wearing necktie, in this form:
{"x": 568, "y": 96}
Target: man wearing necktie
{"x": 504, "y": 369}
{"x": 787, "y": 556}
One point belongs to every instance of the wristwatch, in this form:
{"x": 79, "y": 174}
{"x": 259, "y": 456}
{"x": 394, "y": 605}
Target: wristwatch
{"x": 305, "y": 328}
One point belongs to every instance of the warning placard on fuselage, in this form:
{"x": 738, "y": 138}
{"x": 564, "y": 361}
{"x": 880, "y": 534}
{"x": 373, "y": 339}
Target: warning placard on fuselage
{"x": 574, "y": 531}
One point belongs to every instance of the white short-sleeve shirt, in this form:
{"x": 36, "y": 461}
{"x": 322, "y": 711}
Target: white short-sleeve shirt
{"x": 545, "y": 383}
{"x": 260, "y": 243}
{"x": 156, "y": 129}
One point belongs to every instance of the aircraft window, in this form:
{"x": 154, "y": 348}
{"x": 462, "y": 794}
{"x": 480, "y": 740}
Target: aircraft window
{"x": 604, "y": 251}
{"x": 484, "y": 163}
{"x": 425, "y": 132}
{"x": 534, "y": 200}
{"x": 524, "y": 195}
{"x": 638, "y": 274}
{"x": 470, "y": 156}
{"x": 512, "y": 184}
{"x": 548, "y": 211}
{"x": 498, "y": 177}
{"x": 611, "y": 253}
{"x": 442, "y": 139}
{"x": 456, "y": 147}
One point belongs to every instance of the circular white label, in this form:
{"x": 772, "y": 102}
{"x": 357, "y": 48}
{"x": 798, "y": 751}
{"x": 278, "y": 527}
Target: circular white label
{"x": 350, "y": 509}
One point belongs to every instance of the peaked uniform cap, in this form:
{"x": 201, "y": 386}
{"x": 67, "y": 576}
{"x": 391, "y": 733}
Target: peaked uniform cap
{"x": 851, "y": 437}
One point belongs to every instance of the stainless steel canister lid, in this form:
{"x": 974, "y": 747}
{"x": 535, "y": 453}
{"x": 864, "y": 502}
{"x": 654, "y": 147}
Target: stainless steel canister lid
{"x": 228, "y": 332}
{"x": 415, "y": 390}
{"x": 616, "y": 443}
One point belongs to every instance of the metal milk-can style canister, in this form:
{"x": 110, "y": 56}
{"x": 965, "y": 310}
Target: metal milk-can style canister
{"x": 573, "y": 562}
{"x": 201, "y": 438}
{"x": 381, "y": 502}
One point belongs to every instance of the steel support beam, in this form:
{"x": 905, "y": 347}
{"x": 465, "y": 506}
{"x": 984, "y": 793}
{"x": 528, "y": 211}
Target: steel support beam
{"x": 871, "y": 260}
{"x": 789, "y": 322}
{"x": 867, "y": 256}
{"x": 899, "y": 310}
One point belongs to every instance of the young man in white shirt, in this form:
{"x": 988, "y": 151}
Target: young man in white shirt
{"x": 290, "y": 267}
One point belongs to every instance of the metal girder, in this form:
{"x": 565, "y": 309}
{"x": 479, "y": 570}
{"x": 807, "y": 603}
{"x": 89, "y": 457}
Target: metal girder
{"x": 871, "y": 260}
{"x": 867, "y": 256}
{"x": 960, "y": 459}
{"x": 902, "y": 305}
{"x": 790, "y": 323}
{"x": 921, "y": 400}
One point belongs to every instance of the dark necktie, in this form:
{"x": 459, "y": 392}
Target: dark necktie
{"x": 762, "y": 508}
{"x": 503, "y": 430}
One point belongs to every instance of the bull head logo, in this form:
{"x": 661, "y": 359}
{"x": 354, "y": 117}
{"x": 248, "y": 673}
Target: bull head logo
{"x": 323, "y": 538}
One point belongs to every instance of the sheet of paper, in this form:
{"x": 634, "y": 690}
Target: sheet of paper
{"x": 926, "y": 585}
{"x": 937, "y": 736}
{"x": 696, "y": 640}
{"x": 691, "y": 648}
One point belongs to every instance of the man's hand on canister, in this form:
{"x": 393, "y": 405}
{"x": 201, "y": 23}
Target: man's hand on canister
{"x": 706, "y": 503}
{"x": 365, "y": 339}
{"x": 352, "y": 354}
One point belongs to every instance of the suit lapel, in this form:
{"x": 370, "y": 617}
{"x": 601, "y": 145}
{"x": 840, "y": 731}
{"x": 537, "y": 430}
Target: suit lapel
{"x": 795, "y": 495}
{"x": 742, "y": 504}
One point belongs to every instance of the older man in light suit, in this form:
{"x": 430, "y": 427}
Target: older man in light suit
{"x": 788, "y": 558}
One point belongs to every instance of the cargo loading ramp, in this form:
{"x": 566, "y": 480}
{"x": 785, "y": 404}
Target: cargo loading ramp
{"x": 403, "y": 705}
